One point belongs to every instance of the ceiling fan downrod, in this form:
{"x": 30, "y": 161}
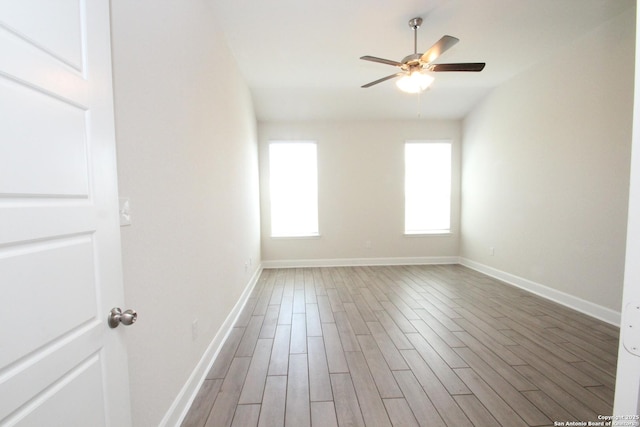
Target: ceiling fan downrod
{"x": 415, "y": 24}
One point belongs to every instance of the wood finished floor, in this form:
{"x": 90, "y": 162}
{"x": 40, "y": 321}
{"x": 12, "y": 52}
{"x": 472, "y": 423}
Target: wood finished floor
{"x": 405, "y": 346}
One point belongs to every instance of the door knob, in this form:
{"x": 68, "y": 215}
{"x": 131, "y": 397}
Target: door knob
{"x": 116, "y": 317}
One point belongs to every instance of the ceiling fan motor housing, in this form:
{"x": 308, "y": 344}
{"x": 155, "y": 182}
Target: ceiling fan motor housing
{"x": 410, "y": 60}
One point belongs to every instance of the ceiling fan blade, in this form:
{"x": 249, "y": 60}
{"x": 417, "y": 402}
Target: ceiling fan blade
{"x": 375, "y": 82}
{"x": 441, "y": 46}
{"x": 466, "y": 66}
{"x": 381, "y": 60}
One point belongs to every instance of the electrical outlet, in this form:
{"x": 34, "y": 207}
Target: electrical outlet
{"x": 492, "y": 251}
{"x": 125, "y": 211}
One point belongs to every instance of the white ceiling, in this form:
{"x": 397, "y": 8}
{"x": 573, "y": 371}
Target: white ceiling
{"x": 300, "y": 58}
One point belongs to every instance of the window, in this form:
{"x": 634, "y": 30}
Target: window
{"x": 293, "y": 177}
{"x": 427, "y": 187}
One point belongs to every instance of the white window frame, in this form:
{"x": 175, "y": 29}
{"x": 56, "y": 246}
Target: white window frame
{"x": 301, "y": 220}
{"x": 413, "y": 196}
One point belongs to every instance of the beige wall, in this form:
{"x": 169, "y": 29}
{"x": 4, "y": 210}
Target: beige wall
{"x": 361, "y": 185}
{"x": 546, "y": 169}
{"x": 187, "y": 154}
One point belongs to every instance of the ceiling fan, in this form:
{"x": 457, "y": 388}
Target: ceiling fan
{"x": 414, "y": 67}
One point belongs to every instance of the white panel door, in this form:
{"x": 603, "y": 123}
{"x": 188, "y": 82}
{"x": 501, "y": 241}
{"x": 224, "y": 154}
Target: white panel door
{"x": 60, "y": 267}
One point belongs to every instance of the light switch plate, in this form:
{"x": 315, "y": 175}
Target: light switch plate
{"x": 125, "y": 211}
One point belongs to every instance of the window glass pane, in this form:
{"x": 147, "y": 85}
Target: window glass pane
{"x": 293, "y": 177}
{"x": 427, "y": 187}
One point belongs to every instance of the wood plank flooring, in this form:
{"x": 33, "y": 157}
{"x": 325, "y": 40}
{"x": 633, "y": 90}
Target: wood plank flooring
{"x": 429, "y": 346}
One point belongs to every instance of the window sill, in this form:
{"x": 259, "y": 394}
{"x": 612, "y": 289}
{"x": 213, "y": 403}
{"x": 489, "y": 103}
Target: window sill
{"x": 434, "y": 233}
{"x": 301, "y": 237}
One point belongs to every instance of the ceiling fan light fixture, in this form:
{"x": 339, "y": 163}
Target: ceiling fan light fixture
{"x": 415, "y": 82}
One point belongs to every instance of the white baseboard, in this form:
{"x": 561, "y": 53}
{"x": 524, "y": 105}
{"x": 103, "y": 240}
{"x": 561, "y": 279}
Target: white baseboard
{"x": 351, "y": 262}
{"x": 180, "y": 406}
{"x": 594, "y": 310}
